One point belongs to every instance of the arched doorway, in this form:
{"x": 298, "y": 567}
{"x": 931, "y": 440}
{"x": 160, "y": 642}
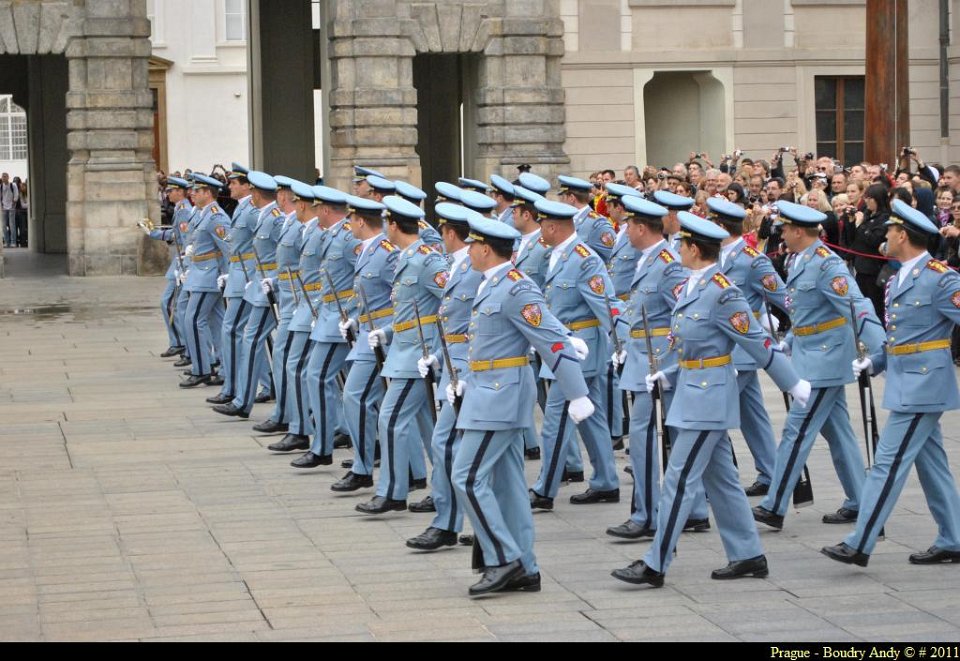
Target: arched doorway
{"x": 684, "y": 112}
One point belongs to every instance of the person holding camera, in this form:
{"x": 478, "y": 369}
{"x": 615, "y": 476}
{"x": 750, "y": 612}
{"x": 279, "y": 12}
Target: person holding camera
{"x": 869, "y": 233}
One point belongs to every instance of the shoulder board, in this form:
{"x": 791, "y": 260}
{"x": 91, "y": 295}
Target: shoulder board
{"x": 666, "y": 257}
{"x": 594, "y": 214}
{"x": 386, "y": 245}
{"x": 424, "y": 225}
{"x": 276, "y": 213}
{"x": 938, "y": 267}
{"x": 214, "y": 209}
{"x": 823, "y": 252}
{"x": 582, "y": 251}
{"x": 752, "y": 252}
{"x": 515, "y": 275}
{"x": 720, "y": 280}
{"x": 424, "y": 250}
{"x": 543, "y": 243}
{"x": 346, "y": 227}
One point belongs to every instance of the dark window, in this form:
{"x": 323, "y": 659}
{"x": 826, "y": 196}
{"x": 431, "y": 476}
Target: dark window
{"x": 839, "y": 107}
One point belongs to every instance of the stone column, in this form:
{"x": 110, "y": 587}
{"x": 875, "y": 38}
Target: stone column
{"x": 110, "y": 176}
{"x": 373, "y": 104}
{"x": 520, "y": 101}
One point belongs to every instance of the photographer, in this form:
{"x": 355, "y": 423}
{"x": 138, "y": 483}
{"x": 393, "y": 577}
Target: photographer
{"x": 869, "y": 234}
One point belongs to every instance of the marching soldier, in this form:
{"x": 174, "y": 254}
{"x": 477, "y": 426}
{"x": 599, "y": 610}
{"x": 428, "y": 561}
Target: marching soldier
{"x": 414, "y": 195}
{"x": 576, "y": 288}
{"x": 328, "y": 203}
{"x": 535, "y": 183}
{"x": 458, "y": 297}
{"x": 820, "y": 290}
{"x": 360, "y": 186}
{"x": 710, "y": 318}
{"x": 504, "y": 196}
{"x": 364, "y": 388}
{"x": 478, "y": 202}
{"x": 923, "y": 305}
{"x": 474, "y": 185}
{"x": 421, "y": 276}
{"x": 509, "y": 314}
{"x": 674, "y": 204}
{"x": 756, "y": 278}
{"x": 284, "y": 286}
{"x": 206, "y": 252}
{"x": 233, "y": 283}
{"x": 594, "y": 230}
{"x": 253, "y": 364}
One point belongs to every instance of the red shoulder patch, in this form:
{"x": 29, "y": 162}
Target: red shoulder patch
{"x": 532, "y": 315}
{"x": 607, "y": 239}
{"x": 597, "y": 285}
{"x": 938, "y": 267}
{"x": 840, "y": 286}
{"x": 220, "y": 231}
{"x": 720, "y": 280}
{"x": 184, "y": 227}
{"x": 769, "y": 282}
{"x": 740, "y": 322}
{"x": 666, "y": 257}
{"x": 441, "y": 279}
{"x": 582, "y": 251}
{"x": 955, "y": 299}
{"x": 386, "y": 245}
{"x": 823, "y": 252}
{"x": 751, "y": 251}
{"x": 515, "y": 275}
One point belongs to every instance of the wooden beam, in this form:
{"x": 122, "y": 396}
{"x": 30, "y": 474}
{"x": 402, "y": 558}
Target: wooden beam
{"x": 887, "y": 121}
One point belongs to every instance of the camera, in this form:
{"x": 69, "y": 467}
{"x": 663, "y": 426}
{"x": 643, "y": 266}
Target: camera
{"x": 785, "y": 149}
{"x": 698, "y": 155}
{"x": 738, "y": 153}
{"x": 661, "y": 176}
{"x": 808, "y": 156}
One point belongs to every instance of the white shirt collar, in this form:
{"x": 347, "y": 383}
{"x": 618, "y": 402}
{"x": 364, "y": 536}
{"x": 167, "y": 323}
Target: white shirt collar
{"x": 525, "y": 239}
{"x": 906, "y": 267}
{"x": 367, "y": 242}
{"x": 457, "y": 259}
{"x": 646, "y": 253}
{"x": 490, "y": 274}
{"x": 695, "y": 277}
{"x": 726, "y": 250}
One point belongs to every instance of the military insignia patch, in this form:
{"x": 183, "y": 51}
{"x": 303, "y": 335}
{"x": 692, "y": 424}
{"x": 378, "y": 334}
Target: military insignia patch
{"x": 557, "y": 348}
{"x": 679, "y": 289}
{"x": 939, "y": 267}
{"x": 822, "y": 252}
{"x": 666, "y": 257}
{"x": 840, "y": 285}
{"x": 740, "y": 322}
{"x": 532, "y": 315}
{"x": 769, "y": 282}
{"x": 386, "y": 245}
{"x": 956, "y": 299}
{"x": 515, "y": 275}
{"x": 425, "y": 250}
{"x": 752, "y": 252}
{"x": 220, "y": 231}
{"x": 582, "y": 251}
{"x": 597, "y": 285}
{"x": 441, "y": 279}
{"x": 721, "y": 281}
{"x": 184, "y": 227}
{"x": 607, "y": 239}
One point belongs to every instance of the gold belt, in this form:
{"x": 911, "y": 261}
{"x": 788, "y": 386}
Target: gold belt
{"x": 315, "y": 286}
{"x": 207, "y": 256}
{"x": 499, "y": 364}
{"x": 236, "y": 258}
{"x": 586, "y": 323}
{"x": 272, "y": 266}
{"x": 804, "y": 331}
{"x": 342, "y": 295}
{"x": 704, "y": 363}
{"x": 283, "y": 277}
{"x": 455, "y": 339}
{"x": 407, "y": 325}
{"x": 376, "y": 314}
{"x": 654, "y": 332}
{"x": 908, "y": 349}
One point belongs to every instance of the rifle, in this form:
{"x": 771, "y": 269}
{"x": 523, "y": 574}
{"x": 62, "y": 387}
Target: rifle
{"x": 351, "y": 338}
{"x": 868, "y": 409}
{"x": 451, "y": 370}
{"x": 378, "y": 352}
{"x": 617, "y": 344}
{"x": 655, "y": 393}
{"x": 430, "y": 380}
{"x": 803, "y": 491}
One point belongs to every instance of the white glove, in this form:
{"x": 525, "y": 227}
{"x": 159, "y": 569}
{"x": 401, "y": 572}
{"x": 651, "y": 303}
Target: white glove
{"x": 346, "y": 326}
{"x": 769, "y": 323}
{"x": 377, "y": 338}
{"x": 583, "y": 351}
{"x": 222, "y": 281}
{"x": 183, "y": 277}
{"x": 424, "y": 365}
{"x": 785, "y": 348}
{"x": 266, "y": 285}
{"x": 801, "y": 393}
{"x": 190, "y": 251}
{"x": 653, "y": 379}
{"x": 861, "y": 366}
{"x": 453, "y": 393}
{"x": 144, "y": 227}
{"x": 619, "y": 358}
{"x": 581, "y": 409}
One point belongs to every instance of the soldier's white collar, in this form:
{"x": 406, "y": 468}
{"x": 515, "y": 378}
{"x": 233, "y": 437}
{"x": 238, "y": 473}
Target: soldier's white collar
{"x": 366, "y": 243}
{"x": 559, "y": 250}
{"x": 490, "y": 274}
{"x": 726, "y": 250}
{"x": 906, "y": 267}
{"x": 695, "y": 277}
{"x": 646, "y": 253}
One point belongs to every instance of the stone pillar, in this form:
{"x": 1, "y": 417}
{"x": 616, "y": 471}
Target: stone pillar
{"x": 373, "y": 104}
{"x": 520, "y": 100}
{"x": 110, "y": 176}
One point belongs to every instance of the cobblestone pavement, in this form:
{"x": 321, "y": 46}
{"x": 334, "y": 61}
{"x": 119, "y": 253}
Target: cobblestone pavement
{"x": 130, "y": 511}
